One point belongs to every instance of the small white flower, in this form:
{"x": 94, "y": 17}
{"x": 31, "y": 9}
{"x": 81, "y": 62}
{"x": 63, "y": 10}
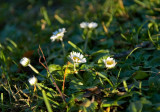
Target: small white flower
{"x": 58, "y": 34}
{"x": 88, "y": 25}
{"x": 92, "y": 25}
{"x": 33, "y": 80}
{"x": 77, "y": 57}
{"x": 25, "y": 61}
{"x": 109, "y": 62}
{"x": 84, "y": 25}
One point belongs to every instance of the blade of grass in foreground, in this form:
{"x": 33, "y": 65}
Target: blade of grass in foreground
{"x": 46, "y": 101}
{"x": 2, "y": 102}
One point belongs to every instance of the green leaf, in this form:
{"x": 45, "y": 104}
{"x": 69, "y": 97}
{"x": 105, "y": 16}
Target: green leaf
{"x": 145, "y": 101}
{"x": 90, "y": 79}
{"x": 88, "y": 105}
{"x": 135, "y": 107}
{"x": 54, "y": 67}
{"x": 155, "y": 62}
{"x": 75, "y": 85}
{"x": 140, "y": 75}
{"x": 154, "y": 82}
{"x": 151, "y": 81}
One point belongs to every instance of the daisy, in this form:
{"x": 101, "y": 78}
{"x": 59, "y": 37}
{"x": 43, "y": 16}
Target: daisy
{"x": 109, "y": 62}
{"x": 92, "y": 25}
{"x": 84, "y": 25}
{"x": 58, "y": 34}
{"x": 33, "y": 80}
{"x": 25, "y": 61}
{"x": 77, "y": 57}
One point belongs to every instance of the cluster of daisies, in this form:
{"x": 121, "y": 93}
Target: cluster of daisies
{"x": 58, "y": 35}
{"x": 75, "y": 57}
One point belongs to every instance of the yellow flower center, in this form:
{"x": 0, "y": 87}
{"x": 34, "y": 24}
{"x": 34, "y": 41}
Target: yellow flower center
{"x": 76, "y": 58}
{"x": 109, "y": 62}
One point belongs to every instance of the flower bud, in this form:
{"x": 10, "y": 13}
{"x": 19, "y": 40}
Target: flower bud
{"x": 33, "y": 80}
{"x": 25, "y": 61}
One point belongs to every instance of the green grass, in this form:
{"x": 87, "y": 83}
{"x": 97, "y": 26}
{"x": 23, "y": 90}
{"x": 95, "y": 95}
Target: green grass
{"x": 128, "y": 31}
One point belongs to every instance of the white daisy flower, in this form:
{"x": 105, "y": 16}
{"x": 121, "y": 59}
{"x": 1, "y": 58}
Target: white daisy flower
{"x": 84, "y": 25}
{"x": 25, "y": 61}
{"x": 33, "y": 80}
{"x": 109, "y": 62}
{"x": 58, "y": 34}
{"x": 77, "y": 57}
{"x": 92, "y": 25}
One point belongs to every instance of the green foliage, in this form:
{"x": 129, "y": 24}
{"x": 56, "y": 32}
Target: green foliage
{"x": 133, "y": 85}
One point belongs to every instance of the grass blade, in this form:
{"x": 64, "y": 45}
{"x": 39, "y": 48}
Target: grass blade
{"x": 2, "y": 106}
{"x": 125, "y": 85}
{"x": 103, "y": 76}
{"x": 74, "y": 46}
{"x": 59, "y": 19}
{"x": 46, "y": 101}
{"x": 44, "y": 12}
{"x": 132, "y": 52}
{"x": 150, "y": 37}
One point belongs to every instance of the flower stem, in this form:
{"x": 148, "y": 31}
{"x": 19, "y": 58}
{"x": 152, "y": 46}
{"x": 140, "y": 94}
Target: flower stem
{"x": 75, "y": 68}
{"x": 76, "y": 72}
{"x": 86, "y": 41}
{"x": 85, "y": 45}
{"x": 63, "y": 47}
{"x": 35, "y": 70}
